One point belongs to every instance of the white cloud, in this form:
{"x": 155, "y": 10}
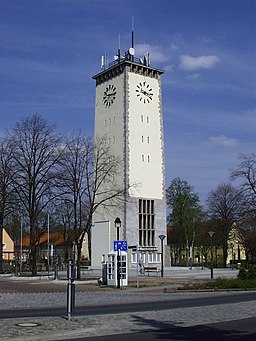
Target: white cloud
{"x": 169, "y": 67}
{"x": 194, "y": 63}
{"x": 156, "y": 52}
{"x": 223, "y": 140}
{"x": 194, "y": 76}
{"x": 174, "y": 47}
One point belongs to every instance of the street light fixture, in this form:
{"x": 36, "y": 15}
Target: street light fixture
{"x": 161, "y": 237}
{"x": 118, "y": 223}
{"x": 211, "y": 233}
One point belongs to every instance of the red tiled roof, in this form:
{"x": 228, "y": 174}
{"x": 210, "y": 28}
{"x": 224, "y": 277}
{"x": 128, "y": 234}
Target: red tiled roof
{"x": 57, "y": 238}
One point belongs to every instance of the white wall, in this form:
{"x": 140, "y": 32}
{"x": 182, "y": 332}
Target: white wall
{"x": 145, "y": 140}
{"x": 101, "y": 242}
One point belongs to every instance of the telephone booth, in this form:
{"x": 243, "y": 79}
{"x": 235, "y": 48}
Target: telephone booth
{"x": 117, "y": 260}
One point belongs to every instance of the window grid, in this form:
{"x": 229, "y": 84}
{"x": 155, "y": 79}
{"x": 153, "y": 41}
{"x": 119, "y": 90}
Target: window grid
{"x": 146, "y": 223}
{"x": 154, "y": 257}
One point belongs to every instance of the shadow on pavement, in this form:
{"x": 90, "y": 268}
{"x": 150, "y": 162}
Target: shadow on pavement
{"x": 168, "y": 331}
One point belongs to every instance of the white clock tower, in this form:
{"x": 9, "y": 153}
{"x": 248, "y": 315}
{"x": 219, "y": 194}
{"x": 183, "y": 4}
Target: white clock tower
{"x": 128, "y": 112}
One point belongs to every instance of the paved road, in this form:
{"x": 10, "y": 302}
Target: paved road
{"x": 144, "y": 313}
{"x": 244, "y": 329}
{"x": 168, "y": 304}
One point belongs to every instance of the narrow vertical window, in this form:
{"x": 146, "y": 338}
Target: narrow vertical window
{"x": 142, "y": 138}
{"x": 148, "y": 139}
{"x": 148, "y": 158}
{"x": 141, "y": 118}
{"x": 142, "y": 158}
{"x": 147, "y": 119}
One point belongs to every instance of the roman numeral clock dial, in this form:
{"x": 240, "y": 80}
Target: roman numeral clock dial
{"x": 144, "y": 92}
{"x": 109, "y": 95}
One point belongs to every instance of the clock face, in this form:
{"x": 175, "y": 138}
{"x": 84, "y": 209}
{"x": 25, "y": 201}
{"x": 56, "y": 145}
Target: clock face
{"x": 144, "y": 92}
{"x": 109, "y": 95}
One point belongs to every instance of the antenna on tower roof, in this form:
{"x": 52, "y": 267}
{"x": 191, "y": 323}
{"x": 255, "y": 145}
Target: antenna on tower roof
{"x": 132, "y": 32}
{"x": 118, "y": 55}
{"x": 104, "y": 61}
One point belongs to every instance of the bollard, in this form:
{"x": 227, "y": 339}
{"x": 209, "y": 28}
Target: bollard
{"x": 70, "y": 290}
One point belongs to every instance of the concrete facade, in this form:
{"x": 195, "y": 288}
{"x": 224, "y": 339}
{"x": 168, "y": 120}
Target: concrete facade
{"x": 128, "y": 114}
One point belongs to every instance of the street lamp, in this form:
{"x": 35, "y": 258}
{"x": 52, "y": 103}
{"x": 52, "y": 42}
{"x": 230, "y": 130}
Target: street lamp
{"x": 211, "y": 233}
{"x": 202, "y": 261}
{"x": 117, "y": 223}
{"x": 232, "y": 256}
{"x": 161, "y": 237}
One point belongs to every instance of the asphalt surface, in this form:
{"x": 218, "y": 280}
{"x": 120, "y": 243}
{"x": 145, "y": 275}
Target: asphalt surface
{"x": 168, "y": 304}
{"x": 151, "y": 313}
{"x": 223, "y": 331}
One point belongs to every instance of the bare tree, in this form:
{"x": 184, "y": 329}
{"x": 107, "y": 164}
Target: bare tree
{"x": 86, "y": 169}
{"x": 6, "y": 188}
{"x": 73, "y": 181}
{"x": 35, "y": 152}
{"x": 246, "y": 173}
{"x": 64, "y": 220}
{"x": 224, "y": 209}
{"x": 247, "y": 229}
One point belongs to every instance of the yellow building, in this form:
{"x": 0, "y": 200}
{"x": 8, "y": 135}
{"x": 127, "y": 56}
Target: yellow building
{"x": 8, "y": 247}
{"x": 236, "y": 251}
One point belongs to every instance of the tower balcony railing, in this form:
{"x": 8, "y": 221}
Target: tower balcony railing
{"x": 118, "y": 60}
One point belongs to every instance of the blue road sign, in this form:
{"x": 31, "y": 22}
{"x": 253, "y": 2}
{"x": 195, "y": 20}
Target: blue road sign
{"x": 120, "y": 245}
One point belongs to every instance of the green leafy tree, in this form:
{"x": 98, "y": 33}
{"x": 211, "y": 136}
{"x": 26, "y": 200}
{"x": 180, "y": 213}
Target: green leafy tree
{"x": 185, "y": 212}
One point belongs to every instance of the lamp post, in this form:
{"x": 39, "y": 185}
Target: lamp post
{"x": 161, "y": 237}
{"x": 202, "y": 261}
{"x": 48, "y": 243}
{"x": 21, "y": 237}
{"x": 117, "y": 226}
{"x": 232, "y": 256}
{"x": 211, "y": 233}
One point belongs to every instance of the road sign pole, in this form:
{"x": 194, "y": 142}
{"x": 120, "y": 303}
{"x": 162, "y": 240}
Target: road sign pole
{"x": 119, "y": 245}
{"x": 137, "y": 254}
{"x": 118, "y": 269}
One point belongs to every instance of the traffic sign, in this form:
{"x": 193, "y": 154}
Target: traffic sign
{"x": 120, "y": 245}
{"x": 133, "y": 247}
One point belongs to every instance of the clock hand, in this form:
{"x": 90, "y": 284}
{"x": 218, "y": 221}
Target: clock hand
{"x": 113, "y": 94}
{"x": 146, "y": 93}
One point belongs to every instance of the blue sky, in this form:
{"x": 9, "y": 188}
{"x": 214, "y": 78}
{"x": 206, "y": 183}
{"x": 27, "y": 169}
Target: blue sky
{"x": 50, "y": 49}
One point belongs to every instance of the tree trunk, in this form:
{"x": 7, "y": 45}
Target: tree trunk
{"x": 1, "y": 244}
{"x": 247, "y": 260}
{"x": 33, "y": 251}
{"x": 225, "y": 255}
